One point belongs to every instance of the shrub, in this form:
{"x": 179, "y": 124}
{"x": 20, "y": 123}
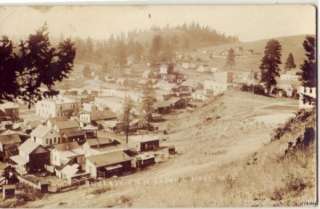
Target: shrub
{"x": 294, "y": 184}
{"x": 100, "y": 190}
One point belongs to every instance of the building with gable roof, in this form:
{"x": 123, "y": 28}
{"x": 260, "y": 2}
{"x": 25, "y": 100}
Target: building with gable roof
{"x": 108, "y": 164}
{"x": 32, "y": 157}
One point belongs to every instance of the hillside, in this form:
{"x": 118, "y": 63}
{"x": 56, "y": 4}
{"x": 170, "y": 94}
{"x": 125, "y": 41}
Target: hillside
{"x": 224, "y": 157}
{"x": 248, "y": 62}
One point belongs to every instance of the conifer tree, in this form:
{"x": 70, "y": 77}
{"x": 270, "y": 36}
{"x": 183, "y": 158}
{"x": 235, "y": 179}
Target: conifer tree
{"x": 270, "y": 64}
{"x": 32, "y": 65}
{"x": 290, "y": 64}
{"x": 308, "y": 74}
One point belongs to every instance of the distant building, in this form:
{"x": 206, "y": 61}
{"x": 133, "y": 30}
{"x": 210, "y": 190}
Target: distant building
{"x": 244, "y": 77}
{"x": 214, "y": 88}
{"x": 64, "y": 153}
{"x": 289, "y": 76}
{"x": 143, "y": 143}
{"x": 57, "y": 131}
{"x": 288, "y": 83}
{"x": 45, "y": 135}
{"x": 10, "y": 111}
{"x": 87, "y": 117}
{"x": 99, "y": 144}
{"x": 57, "y": 107}
{"x": 199, "y": 95}
{"x": 163, "y": 69}
{"x": 9, "y": 144}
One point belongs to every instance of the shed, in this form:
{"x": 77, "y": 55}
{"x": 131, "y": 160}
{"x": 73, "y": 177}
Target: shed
{"x": 142, "y": 143}
{"x": 108, "y": 164}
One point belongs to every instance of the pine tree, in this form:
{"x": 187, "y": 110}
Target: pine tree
{"x": 148, "y": 101}
{"x": 32, "y": 65}
{"x": 308, "y": 68}
{"x": 127, "y": 107}
{"x": 290, "y": 64}
{"x": 270, "y": 64}
{"x": 121, "y": 53}
{"x": 231, "y": 58}
{"x": 155, "y": 49}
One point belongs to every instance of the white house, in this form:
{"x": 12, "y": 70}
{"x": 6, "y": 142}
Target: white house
{"x": 86, "y": 117}
{"x": 142, "y": 143}
{"x": 307, "y": 97}
{"x": 289, "y": 76}
{"x": 163, "y": 69}
{"x": 62, "y": 154}
{"x": 246, "y": 77}
{"x": 199, "y": 95}
{"x": 57, "y": 107}
{"x": 45, "y": 135}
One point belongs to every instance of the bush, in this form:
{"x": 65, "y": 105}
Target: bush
{"x": 256, "y": 89}
{"x": 294, "y": 184}
{"x": 100, "y": 190}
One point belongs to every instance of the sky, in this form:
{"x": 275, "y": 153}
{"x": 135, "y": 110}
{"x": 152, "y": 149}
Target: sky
{"x": 248, "y": 22}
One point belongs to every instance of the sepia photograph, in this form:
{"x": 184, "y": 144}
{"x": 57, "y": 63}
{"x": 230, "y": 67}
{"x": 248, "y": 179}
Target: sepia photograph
{"x": 158, "y": 106}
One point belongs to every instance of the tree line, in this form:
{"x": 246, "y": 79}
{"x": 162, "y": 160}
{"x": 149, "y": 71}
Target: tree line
{"x": 155, "y": 45}
{"x": 271, "y": 60}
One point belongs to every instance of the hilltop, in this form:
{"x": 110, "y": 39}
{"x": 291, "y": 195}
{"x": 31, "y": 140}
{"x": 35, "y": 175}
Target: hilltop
{"x": 250, "y": 59}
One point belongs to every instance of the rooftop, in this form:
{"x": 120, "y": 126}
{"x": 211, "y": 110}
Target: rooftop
{"x": 108, "y": 158}
{"x": 64, "y": 124}
{"x": 144, "y": 138}
{"x": 9, "y": 105}
{"x": 10, "y": 139}
{"x": 28, "y": 146}
{"x": 41, "y": 130}
{"x": 99, "y": 141}
{"x": 67, "y": 146}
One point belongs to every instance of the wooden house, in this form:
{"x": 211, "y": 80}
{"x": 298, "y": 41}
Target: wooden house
{"x": 143, "y": 143}
{"x": 32, "y": 157}
{"x": 145, "y": 159}
{"x": 9, "y": 144}
{"x": 108, "y": 164}
{"x": 11, "y": 110}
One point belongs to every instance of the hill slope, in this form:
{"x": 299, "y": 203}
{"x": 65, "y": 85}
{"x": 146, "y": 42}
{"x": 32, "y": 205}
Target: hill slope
{"x": 225, "y": 159}
{"x": 248, "y": 62}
